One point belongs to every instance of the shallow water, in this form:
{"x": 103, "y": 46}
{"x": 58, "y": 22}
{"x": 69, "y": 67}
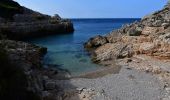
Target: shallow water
{"x": 67, "y": 50}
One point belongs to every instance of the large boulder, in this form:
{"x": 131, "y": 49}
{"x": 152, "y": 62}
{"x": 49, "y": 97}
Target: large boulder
{"x": 147, "y": 47}
{"x": 111, "y": 51}
{"x": 134, "y": 32}
{"x": 95, "y": 42}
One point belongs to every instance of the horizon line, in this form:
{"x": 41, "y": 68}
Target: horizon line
{"x": 100, "y": 18}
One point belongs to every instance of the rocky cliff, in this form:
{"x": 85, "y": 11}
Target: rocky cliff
{"x": 23, "y": 75}
{"x": 9, "y": 8}
{"x": 150, "y": 36}
{"x": 20, "y": 66}
{"x": 17, "y": 22}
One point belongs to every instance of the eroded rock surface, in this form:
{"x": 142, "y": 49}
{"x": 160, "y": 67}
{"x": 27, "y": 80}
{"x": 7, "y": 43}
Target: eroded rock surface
{"x": 150, "y": 36}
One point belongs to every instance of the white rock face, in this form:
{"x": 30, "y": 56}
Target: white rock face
{"x": 147, "y": 46}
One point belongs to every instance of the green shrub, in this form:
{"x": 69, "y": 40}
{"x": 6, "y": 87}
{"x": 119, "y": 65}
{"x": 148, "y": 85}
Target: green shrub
{"x": 8, "y": 8}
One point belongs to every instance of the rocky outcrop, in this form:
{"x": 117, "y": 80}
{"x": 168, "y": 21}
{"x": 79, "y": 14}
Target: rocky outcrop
{"x": 96, "y": 42}
{"x": 9, "y": 8}
{"x": 40, "y": 79}
{"x": 27, "y": 58}
{"x": 150, "y": 36}
{"x": 28, "y": 23}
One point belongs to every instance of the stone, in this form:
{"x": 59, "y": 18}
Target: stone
{"x": 134, "y": 32}
{"x": 129, "y": 60}
{"x": 95, "y": 42}
{"x": 165, "y": 38}
{"x": 146, "y": 47}
{"x": 157, "y": 23}
{"x": 112, "y": 51}
{"x": 165, "y": 25}
{"x": 151, "y": 30}
{"x": 50, "y": 85}
{"x": 45, "y": 94}
{"x": 80, "y": 89}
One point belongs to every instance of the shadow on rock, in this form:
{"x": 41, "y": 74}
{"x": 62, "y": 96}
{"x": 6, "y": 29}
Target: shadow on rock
{"x": 57, "y": 85}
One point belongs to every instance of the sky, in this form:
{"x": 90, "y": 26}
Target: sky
{"x": 95, "y": 8}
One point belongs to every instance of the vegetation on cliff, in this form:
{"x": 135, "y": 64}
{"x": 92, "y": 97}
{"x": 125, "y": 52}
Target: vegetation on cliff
{"x": 8, "y": 8}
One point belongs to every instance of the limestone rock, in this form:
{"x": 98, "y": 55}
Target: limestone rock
{"x": 95, "y": 42}
{"x": 149, "y": 36}
{"x": 146, "y": 47}
{"x": 165, "y": 38}
{"x": 152, "y": 30}
{"x": 134, "y": 32}
{"x": 111, "y": 51}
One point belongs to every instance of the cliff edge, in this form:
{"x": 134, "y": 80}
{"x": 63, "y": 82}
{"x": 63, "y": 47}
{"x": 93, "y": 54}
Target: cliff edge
{"x": 17, "y": 22}
{"x": 150, "y": 36}
{"x": 23, "y": 75}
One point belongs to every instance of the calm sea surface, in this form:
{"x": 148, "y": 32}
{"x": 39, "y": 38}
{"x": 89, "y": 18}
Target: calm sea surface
{"x": 67, "y": 50}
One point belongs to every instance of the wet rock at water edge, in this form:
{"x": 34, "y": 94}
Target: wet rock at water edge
{"x": 95, "y": 42}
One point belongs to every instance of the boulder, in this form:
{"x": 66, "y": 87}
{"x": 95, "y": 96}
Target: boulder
{"x": 50, "y": 85}
{"x": 165, "y": 38}
{"x": 165, "y": 25}
{"x": 134, "y": 32}
{"x": 146, "y": 47}
{"x": 157, "y": 23}
{"x": 95, "y": 42}
{"x": 152, "y": 30}
{"x": 112, "y": 51}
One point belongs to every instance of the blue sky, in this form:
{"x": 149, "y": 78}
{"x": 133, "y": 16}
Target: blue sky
{"x": 95, "y": 8}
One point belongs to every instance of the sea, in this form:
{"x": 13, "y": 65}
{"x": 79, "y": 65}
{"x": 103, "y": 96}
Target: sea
{"x": 66, "y": 51}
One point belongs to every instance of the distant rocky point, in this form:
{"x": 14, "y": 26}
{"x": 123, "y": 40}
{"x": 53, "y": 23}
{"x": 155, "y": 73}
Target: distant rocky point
{"x": 17, "y": 22}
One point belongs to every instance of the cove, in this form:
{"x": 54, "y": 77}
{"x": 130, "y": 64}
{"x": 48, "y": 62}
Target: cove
{"x": 66, "y": 50}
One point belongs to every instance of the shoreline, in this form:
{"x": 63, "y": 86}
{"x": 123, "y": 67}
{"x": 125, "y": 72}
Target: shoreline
{"x": 135, "y": 74}
{"x": 136, "y": 70}
{"x": 143, "y": 85}
{"x": 142, "y": 47}
{"x": 106, "y": 70}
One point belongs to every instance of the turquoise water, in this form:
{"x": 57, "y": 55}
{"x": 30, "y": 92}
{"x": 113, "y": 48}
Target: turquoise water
{"x": 66, "y": 50}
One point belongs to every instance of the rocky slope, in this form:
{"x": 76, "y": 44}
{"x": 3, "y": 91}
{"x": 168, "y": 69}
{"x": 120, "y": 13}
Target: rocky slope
{"x": 17, "y": 22}
{"x": 9, "y": 8}
{"x": 150, "y": 36}
{"x": 23, "y": 75}
{"x": 20, "y": 67}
